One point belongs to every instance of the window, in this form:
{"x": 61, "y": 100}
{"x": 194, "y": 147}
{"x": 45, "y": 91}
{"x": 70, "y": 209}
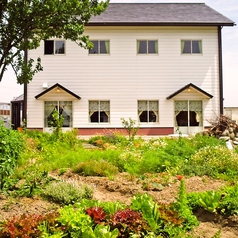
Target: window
{"x": 54, "y": 47}
{"x": 147, "y": 47}
{"x": 100, "y": 47}
{"x": 148, "y": 111}
{"x": 99, "y": 111}
{"x": 64, "y": 108}
{"x": 188, "y": 113}
{"x": 191, "y": 46}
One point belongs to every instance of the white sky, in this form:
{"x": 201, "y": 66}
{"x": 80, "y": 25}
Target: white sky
{"x": 10, "y": 89}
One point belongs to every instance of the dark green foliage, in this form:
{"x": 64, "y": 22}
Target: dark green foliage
{"x": 11, "y": 147}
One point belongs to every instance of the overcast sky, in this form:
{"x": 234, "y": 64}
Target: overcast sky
{"x": 9, "y": 89}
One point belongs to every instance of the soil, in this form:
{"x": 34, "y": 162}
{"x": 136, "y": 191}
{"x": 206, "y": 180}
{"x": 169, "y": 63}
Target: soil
{"x": 123, "y": 187}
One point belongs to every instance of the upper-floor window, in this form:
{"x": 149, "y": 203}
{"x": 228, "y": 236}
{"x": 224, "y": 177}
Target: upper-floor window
{"x": 53, "y": 47}
{"x": 100, "y": 47}
{"x": 191, "y": 46}
{"x": 99, "y": 111}
{"x": 147, "y": 47}
{"x": 148, "y": 111}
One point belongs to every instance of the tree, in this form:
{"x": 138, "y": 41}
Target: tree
{"x": 24, "y": 23}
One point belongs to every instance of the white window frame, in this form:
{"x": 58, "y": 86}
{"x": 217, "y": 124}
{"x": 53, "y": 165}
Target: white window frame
{"x": 99, "y": 111}
{"x": 66, "y": 114}
{"x": 148, "y": 109}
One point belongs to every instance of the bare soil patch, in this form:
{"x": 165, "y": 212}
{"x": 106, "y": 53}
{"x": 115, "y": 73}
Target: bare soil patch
{"x": 123, "y": 188}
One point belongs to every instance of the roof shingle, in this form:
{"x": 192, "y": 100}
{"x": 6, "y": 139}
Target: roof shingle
{"x": 160, "y": 14}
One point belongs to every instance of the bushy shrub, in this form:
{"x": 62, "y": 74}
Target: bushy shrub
{"x": 67, "y": 192}
{"x": 214, "y": 161}
{"x": 96, "y": 168}
{"x": 11, "y": 147}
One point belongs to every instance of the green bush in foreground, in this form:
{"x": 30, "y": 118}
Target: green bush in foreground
{"x": 67, "y": 192}
{"x": 11, "y": 147}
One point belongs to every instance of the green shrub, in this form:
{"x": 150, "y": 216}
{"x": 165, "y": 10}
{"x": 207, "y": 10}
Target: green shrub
{"x": 96, "y": 168}
{"x": 11, "y": 147}
{"x": 67, "y": 192}
{"x": 214, "y": 161}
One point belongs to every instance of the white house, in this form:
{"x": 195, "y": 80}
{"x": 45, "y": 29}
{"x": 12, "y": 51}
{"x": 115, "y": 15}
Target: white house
{"x": 157, "y": 63}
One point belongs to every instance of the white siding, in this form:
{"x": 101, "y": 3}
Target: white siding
{"x": 123, "y": 77}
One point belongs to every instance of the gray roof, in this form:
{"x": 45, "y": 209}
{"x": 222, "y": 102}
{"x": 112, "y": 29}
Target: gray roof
{"x": 163, "y": 14}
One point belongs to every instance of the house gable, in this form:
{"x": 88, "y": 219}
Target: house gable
{"x": 189, "y": 87}
{"x": 57, "y": 88}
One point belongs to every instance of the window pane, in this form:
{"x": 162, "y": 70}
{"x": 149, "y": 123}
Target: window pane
{"x": 94, "y": 50}
{"x": 152, "y": 116}
{"x": 49, "y": 109}
{"x": 49, "y": 47}
{"x": 186, "y": 47}
{"x": 152, "y": 47}
{"x": 104, "y": 47}
{"x": 182, "y": 118}
{"x": 142, "y": 47}
{"x": 59, "y": 47}
{"x": 197, "y": 47}
{"x": 144, "y": 116}
{"x": 94, "y": 117}
{"x": 65, "y": 109}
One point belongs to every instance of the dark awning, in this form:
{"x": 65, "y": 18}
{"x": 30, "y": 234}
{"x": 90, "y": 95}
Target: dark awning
{"x": 57, "y": 86}
{"x": 189, "y": 86}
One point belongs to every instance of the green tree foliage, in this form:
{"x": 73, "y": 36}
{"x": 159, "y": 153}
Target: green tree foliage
{"x": 24, "y": 23}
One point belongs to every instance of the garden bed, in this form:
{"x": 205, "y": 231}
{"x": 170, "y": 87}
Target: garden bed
{"x": 122, "y": 188}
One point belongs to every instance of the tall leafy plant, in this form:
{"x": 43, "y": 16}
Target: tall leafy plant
{"x": 11, "y": 145}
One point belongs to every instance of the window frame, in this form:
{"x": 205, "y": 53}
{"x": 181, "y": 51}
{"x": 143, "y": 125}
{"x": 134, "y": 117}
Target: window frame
{"x": 54, "y": 47}
{"x": 148, "y": 111}
{"x": 57, "y": 105}
{"x": 99, "y": 112}
{"x": 99, "y": 48}
{"x": 147, "y": 47}
{"x": 191, "y": 41}
{"x": 188, "y": 111}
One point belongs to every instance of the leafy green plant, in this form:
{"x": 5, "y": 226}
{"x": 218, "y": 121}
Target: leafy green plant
{"x": 56, "y": 123}
{"x": 11, "y": 147}
{"x": 101, "y": 231}
{"x": 210, "y": 200}
{"x": 32, "y": 183}
{"x": 75, "y": 220}
{"x": 149, "y": 209}
{"x": 96, "y": 168}
{"x": 228, "y": 201}
{"x": 183, "y": 208}
{"x": 67, "y": 192}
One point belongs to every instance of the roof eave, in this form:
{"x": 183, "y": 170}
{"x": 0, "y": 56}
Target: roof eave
{"x": 159, "y": 24}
